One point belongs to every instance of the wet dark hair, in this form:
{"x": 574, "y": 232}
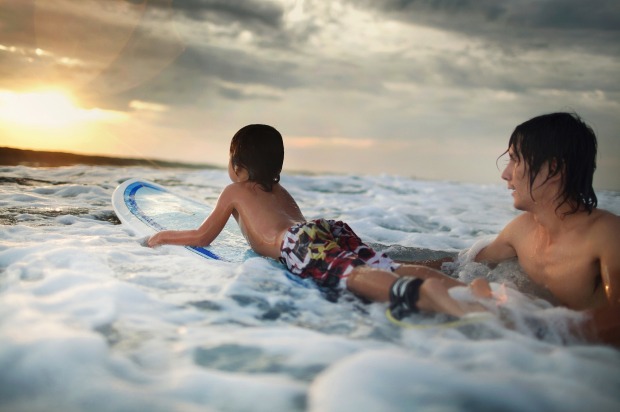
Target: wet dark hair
{"x": 569, "y": 146}
{"x": 259, "y": 149}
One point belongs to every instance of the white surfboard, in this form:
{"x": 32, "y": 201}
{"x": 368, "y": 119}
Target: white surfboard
{"x": 146, "y": 208}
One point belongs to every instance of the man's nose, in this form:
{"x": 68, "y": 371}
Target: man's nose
{"x": 507, "y": 173}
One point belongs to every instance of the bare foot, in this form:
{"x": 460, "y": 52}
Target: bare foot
{"x": 480, "y": 288}
{"x": 434, "y": 297}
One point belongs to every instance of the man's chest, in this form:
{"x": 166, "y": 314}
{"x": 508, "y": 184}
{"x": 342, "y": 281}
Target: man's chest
{"x": 570, "y": 273}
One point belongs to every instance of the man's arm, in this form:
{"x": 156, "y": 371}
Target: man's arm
{"x": 502, "y": 247}
{"x": 606, "y": 320}
{"x": 606, "y": 324}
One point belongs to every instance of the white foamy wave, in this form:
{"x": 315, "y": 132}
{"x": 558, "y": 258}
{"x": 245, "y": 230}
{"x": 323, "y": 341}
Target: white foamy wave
{"x": 92, "y": 320}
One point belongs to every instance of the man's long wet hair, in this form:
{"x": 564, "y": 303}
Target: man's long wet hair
{"x": 259, "y": 149}
{"x": 568, "y": 146}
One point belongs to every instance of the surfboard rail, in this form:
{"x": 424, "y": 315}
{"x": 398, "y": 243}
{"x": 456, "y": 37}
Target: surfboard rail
{"x": 130, "y": 210}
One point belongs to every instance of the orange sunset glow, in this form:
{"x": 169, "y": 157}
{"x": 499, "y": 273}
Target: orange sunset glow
{"x": 52, "y": 120}
{"x": 51, "y": 108}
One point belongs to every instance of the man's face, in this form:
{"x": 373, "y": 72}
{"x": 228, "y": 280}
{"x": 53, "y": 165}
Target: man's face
{"x": 516, "y": 174}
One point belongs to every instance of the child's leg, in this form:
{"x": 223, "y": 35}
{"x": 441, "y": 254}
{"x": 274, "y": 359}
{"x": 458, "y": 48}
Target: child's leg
{"x": 375, "y": 284}
{"x": 370, "y": 283}
{"x": 479, "y": 286}
{"x": 434, "y": 297}
{"x": 424, "y": 272}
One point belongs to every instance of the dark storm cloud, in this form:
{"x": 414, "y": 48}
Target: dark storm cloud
{"x": 239, "y": 94}
{"x": 263, "y": 18}
{"x": 199, "y": 72}
{"x": 593, "y": 24}
{"x": 247, "y": 11}
{"x": 106, "y": 48}
{"x": 497, "y": 70}
{"x": 84, "y": 55}
{"x": 152, "y": 66}
{"x": 240, "y": 67}
{"x": 603, "y": 15}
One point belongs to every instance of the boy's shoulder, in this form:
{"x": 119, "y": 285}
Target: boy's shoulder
{"x": 232, "y": 191}
{"x": 243, "y": 188}
{"x": 237, "y": 187}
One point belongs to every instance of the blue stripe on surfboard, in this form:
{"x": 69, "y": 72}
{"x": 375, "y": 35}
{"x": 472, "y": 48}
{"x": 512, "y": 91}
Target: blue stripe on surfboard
{"x": 130, "y": 200}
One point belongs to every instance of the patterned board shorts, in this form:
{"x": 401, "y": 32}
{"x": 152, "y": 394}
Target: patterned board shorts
{"x": 327, "y": 251}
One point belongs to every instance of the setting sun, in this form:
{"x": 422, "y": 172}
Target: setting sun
{"x": 52, "y": 120}
{"x": 50, "y": 108}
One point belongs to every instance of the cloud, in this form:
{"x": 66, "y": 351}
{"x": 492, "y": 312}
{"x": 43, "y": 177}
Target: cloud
{"x": 89, "y": 47}
{"x": 192, "y": 52}
{"x": 592, "y": 25}
{"x": 147, "y": 106}
{"x": 264, "y": 13}
{"x": 598, "y": 15}
{"x": 234, "y": 91}
{"x": 328, "y": 143}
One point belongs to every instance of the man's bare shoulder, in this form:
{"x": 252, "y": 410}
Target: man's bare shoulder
{"x": 520, "y": 225}
{"x": 605, "y": 226}
{"x": 605, "y": 217}
{"x": 518, "y": 232}
{"x": 506, "y": 244}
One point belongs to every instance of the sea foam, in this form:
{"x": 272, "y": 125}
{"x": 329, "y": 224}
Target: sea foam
{"x": 90, "y": 319}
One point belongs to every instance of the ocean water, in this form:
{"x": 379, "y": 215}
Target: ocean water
{"x": 90, "y": 320}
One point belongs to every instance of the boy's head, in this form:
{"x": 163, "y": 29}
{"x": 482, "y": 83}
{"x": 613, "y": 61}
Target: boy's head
{"x": 567, "y": 146}
{"x": 259, "y": 149}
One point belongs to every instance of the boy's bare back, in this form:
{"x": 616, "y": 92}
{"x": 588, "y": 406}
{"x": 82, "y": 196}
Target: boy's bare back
{"x": 263, "y": 216}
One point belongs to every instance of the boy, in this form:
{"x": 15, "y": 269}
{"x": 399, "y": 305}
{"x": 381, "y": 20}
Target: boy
{"x": 328, "y": 251}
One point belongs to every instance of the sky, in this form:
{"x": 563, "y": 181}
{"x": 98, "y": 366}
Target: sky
{"x": 430, "y": 89}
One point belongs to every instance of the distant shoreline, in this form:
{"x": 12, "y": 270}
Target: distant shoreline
{"x": 34, "y": 158}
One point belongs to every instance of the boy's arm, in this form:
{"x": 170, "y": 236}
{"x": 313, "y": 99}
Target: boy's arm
{"x": 208, "y": 230}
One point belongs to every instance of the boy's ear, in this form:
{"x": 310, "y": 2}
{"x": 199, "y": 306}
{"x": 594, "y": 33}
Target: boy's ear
{"x": 241, "y": 172}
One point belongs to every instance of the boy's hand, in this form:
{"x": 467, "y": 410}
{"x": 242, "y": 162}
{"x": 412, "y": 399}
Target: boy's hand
{"x": 153, "y": 241}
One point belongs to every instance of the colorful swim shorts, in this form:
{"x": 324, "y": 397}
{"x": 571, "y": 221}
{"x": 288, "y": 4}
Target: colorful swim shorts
{"x": 327, "y": 251}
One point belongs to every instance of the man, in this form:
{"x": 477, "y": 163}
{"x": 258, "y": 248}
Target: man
{"x": 562, "y": 241}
